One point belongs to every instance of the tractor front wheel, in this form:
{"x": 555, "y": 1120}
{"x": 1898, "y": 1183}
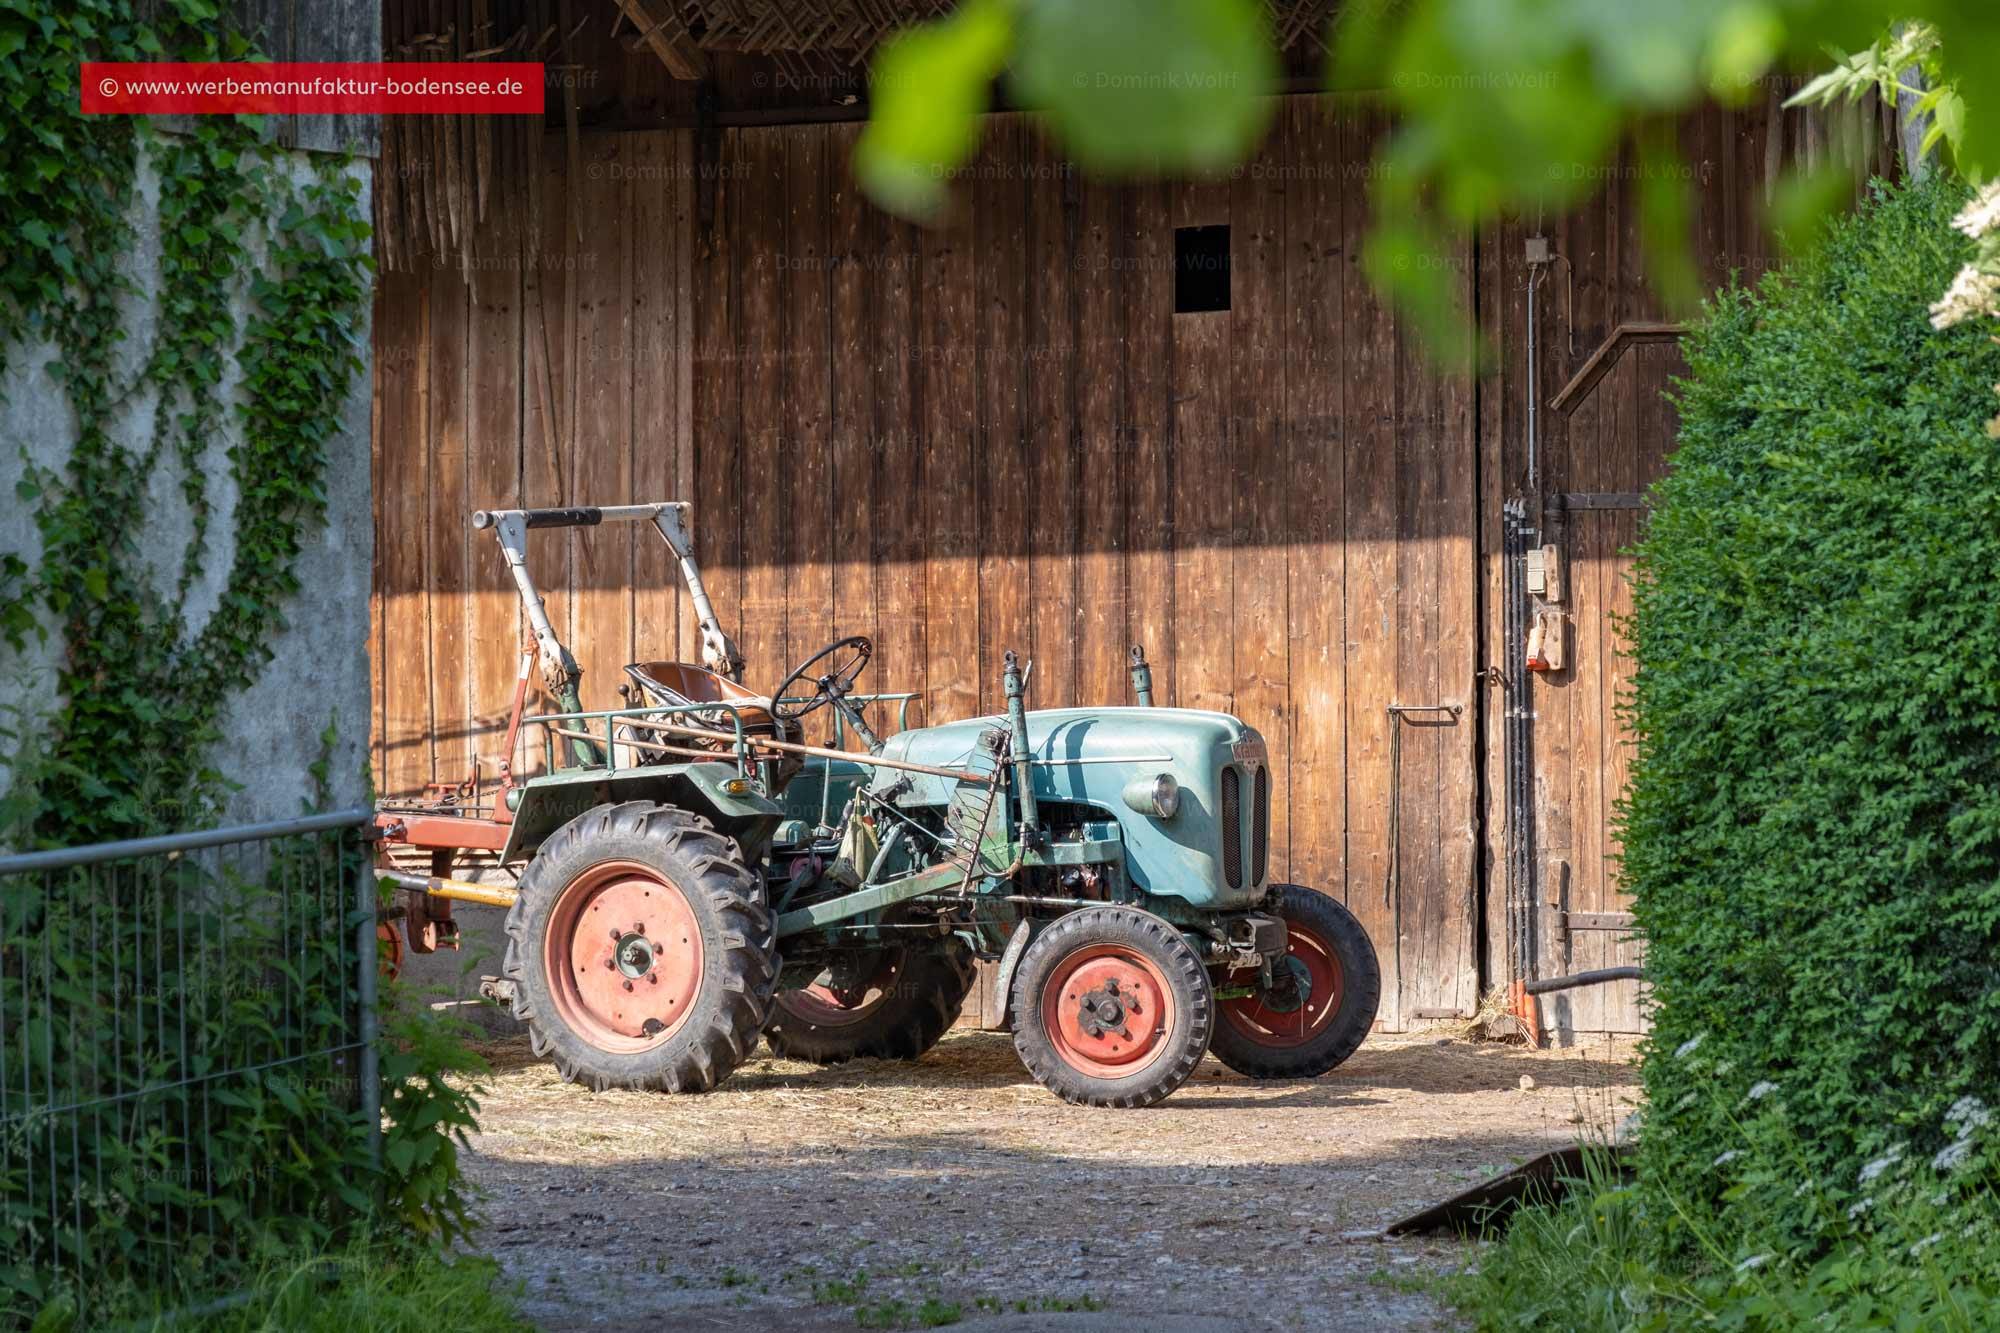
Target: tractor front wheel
{"x": 894, "y": 1006}
{"x": 641, "y": 950}
{"x": 1322, "y": 1001}
{"x": 1111, "y": 1007}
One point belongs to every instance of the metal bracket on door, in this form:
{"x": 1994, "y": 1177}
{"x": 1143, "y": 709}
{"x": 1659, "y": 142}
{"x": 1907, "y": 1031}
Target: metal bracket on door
{"x": 1400, "y": 710}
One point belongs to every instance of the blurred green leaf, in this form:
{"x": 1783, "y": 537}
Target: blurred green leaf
{"x": 1139, "y": 86}
{"x": 1746, "y": 39}
{"x": 927, "y": 90}
{"x": 1666, "y": 218}
{"x": 1805, "y": 201}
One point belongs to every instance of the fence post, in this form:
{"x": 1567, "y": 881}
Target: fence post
{"x": 367, "y": 953}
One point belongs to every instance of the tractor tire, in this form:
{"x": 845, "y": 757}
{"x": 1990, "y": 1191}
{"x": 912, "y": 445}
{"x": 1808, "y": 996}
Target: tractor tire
{"x": 1313, "y": 1028}
{"x": 906, "y": 1008}
{"x": 1111, "y": 1007}
{"x": 641, "y": 950}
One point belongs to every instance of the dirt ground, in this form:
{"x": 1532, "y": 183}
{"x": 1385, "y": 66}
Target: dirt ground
{"x": 799, "y": 1198}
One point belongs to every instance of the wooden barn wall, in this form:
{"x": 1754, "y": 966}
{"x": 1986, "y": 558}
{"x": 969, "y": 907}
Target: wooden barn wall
{"x": 998, "y": 434}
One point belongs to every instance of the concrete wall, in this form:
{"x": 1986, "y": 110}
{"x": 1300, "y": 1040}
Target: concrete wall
{"x": 320, "y": 671}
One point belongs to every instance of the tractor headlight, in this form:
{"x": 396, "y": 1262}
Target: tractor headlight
{"x": 1158, "y": 796}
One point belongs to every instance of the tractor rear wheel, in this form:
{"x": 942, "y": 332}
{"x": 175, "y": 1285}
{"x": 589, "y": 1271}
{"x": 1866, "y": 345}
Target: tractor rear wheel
{"x": 1329, "y": 986}
{"x": 641, "y": 950}
{"x": 1111, "y": 1007}
{"x": 909, "y": 997}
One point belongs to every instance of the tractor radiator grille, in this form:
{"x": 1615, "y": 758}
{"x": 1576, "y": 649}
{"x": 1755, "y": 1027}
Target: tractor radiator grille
{"x": 1232, "y": 827}
{"x": 1260, "y": 827}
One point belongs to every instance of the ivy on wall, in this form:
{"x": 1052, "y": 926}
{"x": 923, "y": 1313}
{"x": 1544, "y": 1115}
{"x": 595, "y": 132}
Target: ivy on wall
{"x": 138, "y": 693}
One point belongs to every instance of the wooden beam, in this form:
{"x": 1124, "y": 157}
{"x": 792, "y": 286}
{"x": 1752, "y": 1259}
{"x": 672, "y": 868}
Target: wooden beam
{"x": 670, "y": 41}
{"x": 1606, "y": 356}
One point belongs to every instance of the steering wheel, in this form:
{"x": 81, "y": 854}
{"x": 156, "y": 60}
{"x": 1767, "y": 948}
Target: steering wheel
{"x": 848, "y": 658}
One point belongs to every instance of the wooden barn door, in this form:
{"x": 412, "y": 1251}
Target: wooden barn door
{"x": 1617, "y": 429}
{"x": 1605, "y": 432}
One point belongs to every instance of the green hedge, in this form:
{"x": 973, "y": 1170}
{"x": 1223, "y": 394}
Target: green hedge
{"x": 1812, "y": 833}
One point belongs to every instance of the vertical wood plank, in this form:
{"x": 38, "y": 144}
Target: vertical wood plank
{"x": 903, "y": 474}
{"x": 548, "y": 427}
{"x": 601, "y": 366}
{"x": 402, "y": 498}
{"x": 717, "y": 388}
{"x": 1623, "y": 450}
{"x": 450, "y": 535}
{"x": 1592, "y": 430}
{"x": 1369, "y": 493}
{"x": 853, "y": 263}
{"x": 1103, "y": 298}
{"x": 682, "y": 476}
{"x": 1148, "y": 405}
{"x": 495, "y": 387}
{"x": 808, "y": 582}
{"x": 761, "y": 493}
{"x": 1563, "y": 345}
{"x": 1260, "y": 356}
{"x": 1416, "y": 781}
{"x": 1450, "y": 977}
{"x": 1052, "y": 451}
{"x": 949, "y": 304}
{"x": 1315, "y": 790}
{"x": 1000, "y": 240}
{"x": 658, "y": 411}
{"x": 1205, "y": 480}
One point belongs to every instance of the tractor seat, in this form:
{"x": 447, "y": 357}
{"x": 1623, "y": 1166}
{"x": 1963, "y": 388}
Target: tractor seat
{"x": 680, "y": 684}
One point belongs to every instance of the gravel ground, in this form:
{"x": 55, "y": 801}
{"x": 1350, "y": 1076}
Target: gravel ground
{"x": 799, "y": 1198}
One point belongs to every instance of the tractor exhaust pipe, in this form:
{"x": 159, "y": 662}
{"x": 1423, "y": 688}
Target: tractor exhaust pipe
{"x": 1142, "y": 677}
{"x": 1015, "y": 686}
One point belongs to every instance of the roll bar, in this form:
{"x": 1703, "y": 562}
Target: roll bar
{"x": 670, "y": 519}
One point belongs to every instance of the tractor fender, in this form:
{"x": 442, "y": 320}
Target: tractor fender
{"x": 1010, "y": 958}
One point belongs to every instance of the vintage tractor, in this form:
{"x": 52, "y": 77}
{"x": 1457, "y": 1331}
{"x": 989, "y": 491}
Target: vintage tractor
{"x": 695, "y": 874}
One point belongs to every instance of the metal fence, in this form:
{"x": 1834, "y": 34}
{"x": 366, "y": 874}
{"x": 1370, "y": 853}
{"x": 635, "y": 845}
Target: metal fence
{"x": 187, "y": 1058}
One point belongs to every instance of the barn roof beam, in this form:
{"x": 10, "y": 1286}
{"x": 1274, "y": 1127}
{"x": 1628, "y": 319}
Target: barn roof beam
{"x": 662, "y": 29}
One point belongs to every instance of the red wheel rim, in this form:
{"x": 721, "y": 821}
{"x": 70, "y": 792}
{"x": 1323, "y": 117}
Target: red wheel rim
{"x": 1120, "y": 982}
{"x": 391, "y": 958}
{"x": 1258, "y": 1021}
{"x": 623, "y": 956}
{"x": 826, "y": 1006}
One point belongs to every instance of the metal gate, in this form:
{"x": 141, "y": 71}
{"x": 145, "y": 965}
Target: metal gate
{"x": 171, "y": 1007}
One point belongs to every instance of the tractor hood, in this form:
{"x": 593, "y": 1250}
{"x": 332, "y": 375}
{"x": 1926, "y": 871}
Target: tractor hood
{"x": 1087, "y": 756}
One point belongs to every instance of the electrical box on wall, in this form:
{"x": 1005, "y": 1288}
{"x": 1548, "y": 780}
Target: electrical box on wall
{"x": 1545, "y": 573}
{"x": 1545, "y": 641}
